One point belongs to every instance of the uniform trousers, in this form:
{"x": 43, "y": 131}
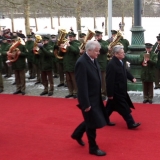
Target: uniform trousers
{"x": 47, "y": 76}
{"x": 61, "y": 72}
{"x": 38, "y": 72}
{"x": 71, "y": 83}
{"x": 1, "y": 81}
{"x": 8, "y": 69}
{"x": 20, "y": 80}
{"x": 147, "y": 90}
{"x": 32, "y": 69}
{"x": 157, "y": 77}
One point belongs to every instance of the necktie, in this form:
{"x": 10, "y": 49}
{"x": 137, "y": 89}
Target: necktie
{"x": 121, "y": 62}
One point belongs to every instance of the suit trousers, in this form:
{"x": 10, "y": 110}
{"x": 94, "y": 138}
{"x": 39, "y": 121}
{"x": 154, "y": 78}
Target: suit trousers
{"x": 20, "y": 80}
{"x": 103, "y": 75}
{"x": 71, "y": 83}
{"x": 147, "y": 90}
{"x": 47, "y": 76}
{"x": 91, "y": 135}
{"x": 61, "y": 72}
{"x": 157, "y": 77}
{"x": 127, "y": 117}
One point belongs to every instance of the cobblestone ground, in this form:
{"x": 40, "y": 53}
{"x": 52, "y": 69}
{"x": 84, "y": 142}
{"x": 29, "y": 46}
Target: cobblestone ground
{"x": 35, "y": 90}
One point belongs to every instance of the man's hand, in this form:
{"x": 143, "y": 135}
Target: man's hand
{"x": 134, "y": 80}
{"x": 87, "y": 109}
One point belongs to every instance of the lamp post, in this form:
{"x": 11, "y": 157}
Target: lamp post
{"x": 137, "y": 46}
{"x": 109, "y": 18}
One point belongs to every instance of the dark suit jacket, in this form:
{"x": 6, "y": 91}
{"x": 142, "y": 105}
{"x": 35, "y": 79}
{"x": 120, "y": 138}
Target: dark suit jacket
{"x": 88, "y": 79}
{"x": 116, "y": 85}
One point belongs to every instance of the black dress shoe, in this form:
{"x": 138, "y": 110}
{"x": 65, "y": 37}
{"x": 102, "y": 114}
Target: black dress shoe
{"x": 17, "y": 92}
{"x": 37, "y": 82}
{"x": 1, "y": 90}
{"x": 74, "y": 96}
{"x": 155, "y": 87}
{"x": 43, "y": 93}
{"x": 111, "y": 124}
{"x": 65, "y": 85}
{"x": 50, "y": 93}
{"x": 23, "y": 93}
{"x": 79, "y": 140}
{"x": 68, "y": 96}
{"x": 98, "y": 152}
{"x": 135, "y": 125}
{"x": 31, "y": 77}
{"x": 145, "y": 101}
{"x": 55, "y": 76}
{"x": 150, "y": 101}
{"x": 61, "y": 84}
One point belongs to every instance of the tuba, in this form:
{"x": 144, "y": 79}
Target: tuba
{"x": 89, "y": 36}
{"x": 38, "y": 39}
{"x": 114, "y": 43}
{"x": 13, "y": 53}
{"x": 61, "y": 40}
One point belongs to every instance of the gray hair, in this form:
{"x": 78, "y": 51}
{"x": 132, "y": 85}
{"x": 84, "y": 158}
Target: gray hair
{"x": 91, "y": 45}
{"x": 116, "y": 49}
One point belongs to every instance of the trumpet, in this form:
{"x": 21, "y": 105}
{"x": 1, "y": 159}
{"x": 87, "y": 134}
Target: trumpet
{"x": 146, "y": 57}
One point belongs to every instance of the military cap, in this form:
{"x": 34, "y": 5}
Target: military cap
{"x": 53, "y": 36}
{"x": 46, "y": 38}
{"x": 113, "y": 31}
{"x": 98, "y": 32}
{"x": 158, "y": 37}
{"x": 148, "y": 45}
{"x": 81, "y": 35}
{"x": 29, "y": 36}
{"x": 71, "y": 34}
{"x": 14, "y": 37}
{"x": 4, "y": 38}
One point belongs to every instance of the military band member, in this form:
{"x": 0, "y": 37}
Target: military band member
{"x": 69, "y": 60}
{"x": 102, "y": 60}
{"x": 46, "y": 66}
{"x": 148, "y": 60}
{"x": 113, "y": 32}
{"x": 81, "y": 39}
{"x": 156, "y": 49}
{"x": 1, "y": 79}
{"x": 4, "y": 48}
{"x": 19, "y": 66}
{"x": 30, "y": 57}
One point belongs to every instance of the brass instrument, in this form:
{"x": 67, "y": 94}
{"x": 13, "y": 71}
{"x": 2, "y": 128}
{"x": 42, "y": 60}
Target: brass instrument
{"x": 38, "y": 39}
{"x": 157, "y": 48}
{"x": 89, "y": 36}
{"x": 61, "y": 40}
{"x": 13, "y": 53}
{"x": 146, "y": 56}
{"x": 114, "y": 43}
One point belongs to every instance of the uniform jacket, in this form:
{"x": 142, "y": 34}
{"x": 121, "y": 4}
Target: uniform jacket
{"x": 88, "y": 79}
{"x": 102, "y": 57}
{"x": 116, "y": 86}
{"x": 4, "y": 48}
{"x": 157, "y": 51}
{"x": 20, "y": 63}
{"x": 71, "y": 56}
{"x": 29, "y": 46}
{"x": 148, "y": 72}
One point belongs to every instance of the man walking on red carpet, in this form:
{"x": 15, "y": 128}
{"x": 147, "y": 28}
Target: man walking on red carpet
{"x": 88, "y": 79}
{"x": 116, "y": 82}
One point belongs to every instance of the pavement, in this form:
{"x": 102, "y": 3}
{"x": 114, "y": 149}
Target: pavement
{"x": 61, "y": 92}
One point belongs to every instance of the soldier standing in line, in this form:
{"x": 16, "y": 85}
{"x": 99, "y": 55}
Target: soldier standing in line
{"x": 156, "y": 49}
{"x": 1, "y": 79}
{"x": 30, "y": 57}
{"x": 69, "y": 60}
{"x": 148, "y": 60}
{"x": 102, "y": 60}
{"x": 4, "y": 48}
{"x": 19, "y": 65}
{"x": 46, "y": 66}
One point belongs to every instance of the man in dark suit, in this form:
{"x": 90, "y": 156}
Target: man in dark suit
{"x": 116, "y": 82}
{"x": 88, "y": 79}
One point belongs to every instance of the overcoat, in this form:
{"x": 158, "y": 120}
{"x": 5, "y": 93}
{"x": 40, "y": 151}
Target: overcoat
{"x": 116, "y": 82}
{"x": 88, "y": 79}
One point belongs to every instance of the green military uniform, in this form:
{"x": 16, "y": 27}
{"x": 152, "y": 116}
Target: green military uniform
{"x": 156, "y": 49}
{"x": 125, "y": 44}
{"x": 1, "y": 79}
{"x": 148, "y": 73}
{"x": 19, "y": 67}
{"x": 102, "y": 60}
{"x": 55, "y": 59}
{"x": 69, "y": 61}
{"x": 4, "y": 48}
{"x": 30, "y": 57}
{"x": 46, "y": 66}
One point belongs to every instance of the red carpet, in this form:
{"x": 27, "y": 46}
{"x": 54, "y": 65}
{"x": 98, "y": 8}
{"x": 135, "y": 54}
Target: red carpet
{"x": 39, "y": 128}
